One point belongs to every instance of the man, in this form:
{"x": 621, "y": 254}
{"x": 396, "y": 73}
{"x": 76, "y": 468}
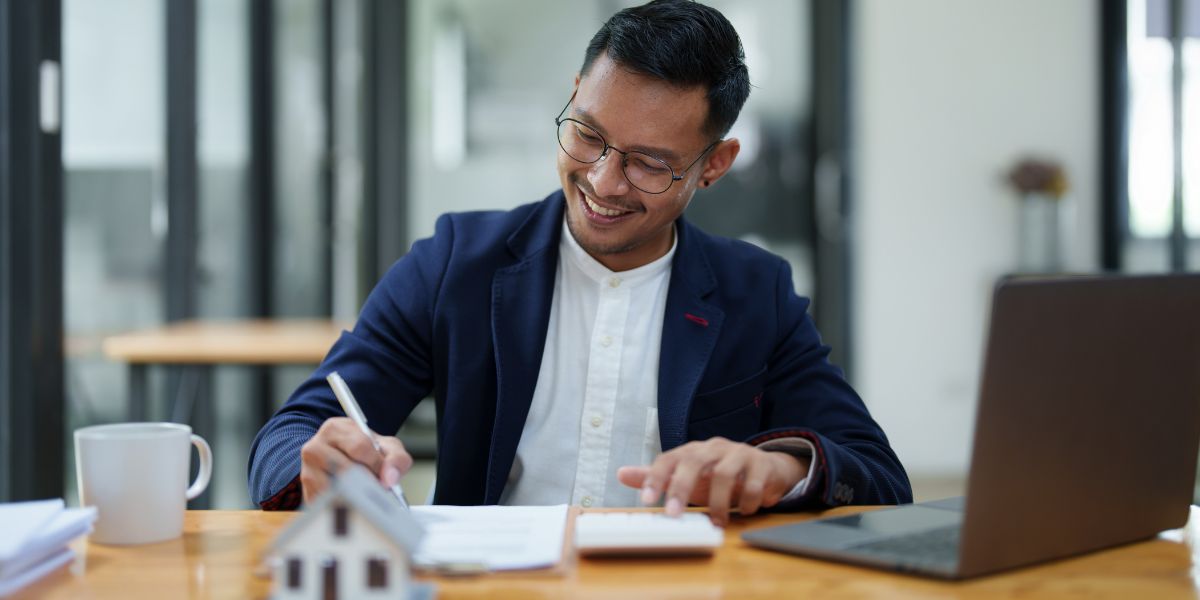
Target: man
{"x": 595, "y": 348}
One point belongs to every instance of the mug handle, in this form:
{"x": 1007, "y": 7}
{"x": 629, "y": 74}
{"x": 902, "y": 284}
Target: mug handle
{"x": 205, "y": 473}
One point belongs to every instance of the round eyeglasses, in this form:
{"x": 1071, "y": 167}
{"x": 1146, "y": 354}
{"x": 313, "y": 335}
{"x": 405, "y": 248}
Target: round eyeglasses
{"x": 645, "y": 172}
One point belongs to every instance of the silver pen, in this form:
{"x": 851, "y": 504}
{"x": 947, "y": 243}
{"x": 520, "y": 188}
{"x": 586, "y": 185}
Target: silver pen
{"x": 350, "y": 405}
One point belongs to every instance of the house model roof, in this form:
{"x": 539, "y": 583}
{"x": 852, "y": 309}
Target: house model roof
{"x": 360, "y": 490}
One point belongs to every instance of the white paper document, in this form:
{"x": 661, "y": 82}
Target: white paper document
{"x": 497, "y": 537}
{"x": 34, "y": 538}
{"x": 22, "y": 521}
{"x": 48, "y": 565}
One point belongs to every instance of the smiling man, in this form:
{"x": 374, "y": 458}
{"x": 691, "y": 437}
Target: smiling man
{"x": 595, "y": 348}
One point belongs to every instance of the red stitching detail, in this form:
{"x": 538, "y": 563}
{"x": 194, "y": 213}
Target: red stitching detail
{"x": 289, "y": 498}
{"x": 701, "y": 321}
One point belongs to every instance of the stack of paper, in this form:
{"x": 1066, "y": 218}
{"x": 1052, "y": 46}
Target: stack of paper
{"x": 491, "y": 538}
{"x": 35, "y": 540}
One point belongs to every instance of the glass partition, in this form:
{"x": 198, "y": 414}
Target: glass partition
{"x": 114, "y": 204}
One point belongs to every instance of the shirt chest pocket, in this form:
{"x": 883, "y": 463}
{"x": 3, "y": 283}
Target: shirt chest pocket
{"x": 733, "y": 411}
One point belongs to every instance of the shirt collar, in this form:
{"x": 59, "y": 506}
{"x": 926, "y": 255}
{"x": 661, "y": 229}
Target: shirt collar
{"x": 599, "y": 273}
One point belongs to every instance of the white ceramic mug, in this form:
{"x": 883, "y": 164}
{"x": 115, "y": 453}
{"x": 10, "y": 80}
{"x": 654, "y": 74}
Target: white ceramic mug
{"x": 135, "y": 474}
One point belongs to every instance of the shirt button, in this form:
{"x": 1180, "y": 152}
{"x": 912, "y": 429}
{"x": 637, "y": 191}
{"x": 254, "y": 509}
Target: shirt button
{"x": 614, "y": 281}
{"x": 596, "y": 421}
{"x": 587, "y": 501}
{"x": 606, "y": 341}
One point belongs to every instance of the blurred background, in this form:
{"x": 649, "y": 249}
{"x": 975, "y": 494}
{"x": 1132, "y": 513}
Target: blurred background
{"x": 196, "y": 195}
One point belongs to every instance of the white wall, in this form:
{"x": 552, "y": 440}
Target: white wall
{"x": 948, "y": 95}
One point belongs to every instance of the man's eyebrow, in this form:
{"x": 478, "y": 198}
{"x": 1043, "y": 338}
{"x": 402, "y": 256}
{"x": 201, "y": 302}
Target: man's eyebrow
{"x": 661, "y": 153}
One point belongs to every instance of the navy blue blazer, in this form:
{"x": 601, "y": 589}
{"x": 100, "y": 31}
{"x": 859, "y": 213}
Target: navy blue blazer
{"x": 464, "y": 315}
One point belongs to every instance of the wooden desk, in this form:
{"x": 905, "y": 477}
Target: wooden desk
{"x": 217, "y": 555}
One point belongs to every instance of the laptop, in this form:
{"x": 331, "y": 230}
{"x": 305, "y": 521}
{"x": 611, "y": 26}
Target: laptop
{"x": 1085, "y": 437}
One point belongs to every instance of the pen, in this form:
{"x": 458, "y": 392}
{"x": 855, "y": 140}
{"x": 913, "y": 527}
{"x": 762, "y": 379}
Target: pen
{"x": 350, "y": 405}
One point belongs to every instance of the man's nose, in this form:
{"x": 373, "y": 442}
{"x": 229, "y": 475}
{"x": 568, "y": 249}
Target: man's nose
{"x": 606, "y": 176}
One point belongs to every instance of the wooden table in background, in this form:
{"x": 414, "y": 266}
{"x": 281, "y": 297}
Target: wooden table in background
{"x": 204, "y": 344}
{"x": 217, "y": 557}
{"x": 199, "y": 346}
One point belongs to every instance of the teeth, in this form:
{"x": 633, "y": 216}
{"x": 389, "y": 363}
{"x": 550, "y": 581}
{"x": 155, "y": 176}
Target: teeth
{"x": 600, "y": 210}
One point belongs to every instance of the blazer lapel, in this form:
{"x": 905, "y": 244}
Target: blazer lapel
{"x": 691, "y": 327}
{"x": 521, "y": 298}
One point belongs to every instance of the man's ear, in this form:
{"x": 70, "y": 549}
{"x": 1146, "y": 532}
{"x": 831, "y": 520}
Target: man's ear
{"x": 719, "y": 160}
{"x": 578, "y": 77}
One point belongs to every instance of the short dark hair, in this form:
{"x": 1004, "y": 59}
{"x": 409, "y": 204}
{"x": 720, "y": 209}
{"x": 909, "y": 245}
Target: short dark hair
{"x": 683, "y": 43}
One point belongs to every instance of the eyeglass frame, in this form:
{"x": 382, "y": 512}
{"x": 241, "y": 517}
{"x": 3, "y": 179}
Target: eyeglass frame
{"x": 559, "y": 120}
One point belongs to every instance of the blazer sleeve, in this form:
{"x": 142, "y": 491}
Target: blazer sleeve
{"x": 386, "y": 360}
{"x": 808, "y": 397}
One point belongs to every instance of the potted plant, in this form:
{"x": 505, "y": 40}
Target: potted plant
{"x": 1043, "y": 228}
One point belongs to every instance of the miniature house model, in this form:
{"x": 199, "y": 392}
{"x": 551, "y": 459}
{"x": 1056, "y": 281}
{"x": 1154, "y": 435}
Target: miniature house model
{"x": 354, "y": 541}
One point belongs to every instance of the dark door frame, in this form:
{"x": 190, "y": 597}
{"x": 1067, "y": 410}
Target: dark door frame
{"x": 1114, "y": 136}
{"x": 32, "y": 396}
{"x": 832, "y": 177}
{"x": 385, "y": 193}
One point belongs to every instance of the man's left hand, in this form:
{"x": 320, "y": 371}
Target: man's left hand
{"x": 718, "y": 473}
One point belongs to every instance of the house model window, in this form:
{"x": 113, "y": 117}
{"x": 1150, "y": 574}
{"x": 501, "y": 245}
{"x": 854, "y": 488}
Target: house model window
{"x": 377, "y": 572}
{"x": 293, "y": 573}
{"x": 329, "y": 577}
{"x": 340, "y": 518}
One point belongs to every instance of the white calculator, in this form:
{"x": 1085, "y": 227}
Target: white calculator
{"x": 645, "y": 533}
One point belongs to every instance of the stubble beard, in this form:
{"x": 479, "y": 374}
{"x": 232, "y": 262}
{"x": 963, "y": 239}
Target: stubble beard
{"x": 574, "y": 228}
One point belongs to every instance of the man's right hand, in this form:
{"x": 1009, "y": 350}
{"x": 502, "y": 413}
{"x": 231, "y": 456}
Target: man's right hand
{"x": 338, "y": 443}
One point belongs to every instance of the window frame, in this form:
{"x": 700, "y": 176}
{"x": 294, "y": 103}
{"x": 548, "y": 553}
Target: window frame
{"x": 1115, "y": 211}
{"x": 1114, "y": 135}
{"x": 32, "y": 393}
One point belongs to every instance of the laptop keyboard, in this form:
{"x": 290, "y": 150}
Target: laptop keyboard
{"x": 930, "y": 546}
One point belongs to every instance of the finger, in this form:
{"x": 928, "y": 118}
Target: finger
{"x": 633, "y": 476}
{"x": 313, "y": 483}
{"x": 352, "y": 442}
{"x": 723, "y": 480}
{"x": 687, "y": 473}
{"x": 396, "y": 460}
{"x": 313, "y": 478}
{"x": 753, "y": 485}
{"x": 659, "y": 473}
{"x": 319, "y": 455}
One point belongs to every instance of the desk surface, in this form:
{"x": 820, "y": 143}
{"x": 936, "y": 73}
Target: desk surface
{"x": 254, "y": 342}
{"x": 217, "y": 554}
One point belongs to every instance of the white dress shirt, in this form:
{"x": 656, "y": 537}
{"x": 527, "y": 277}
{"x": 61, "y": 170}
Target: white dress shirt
{"x": 595, "y": 405}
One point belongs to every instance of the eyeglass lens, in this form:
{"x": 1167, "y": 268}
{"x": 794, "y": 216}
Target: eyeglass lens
{"x": 584, "y": 144}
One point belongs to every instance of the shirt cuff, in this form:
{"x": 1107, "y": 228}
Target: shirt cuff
{"x": 800, "y": 448}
